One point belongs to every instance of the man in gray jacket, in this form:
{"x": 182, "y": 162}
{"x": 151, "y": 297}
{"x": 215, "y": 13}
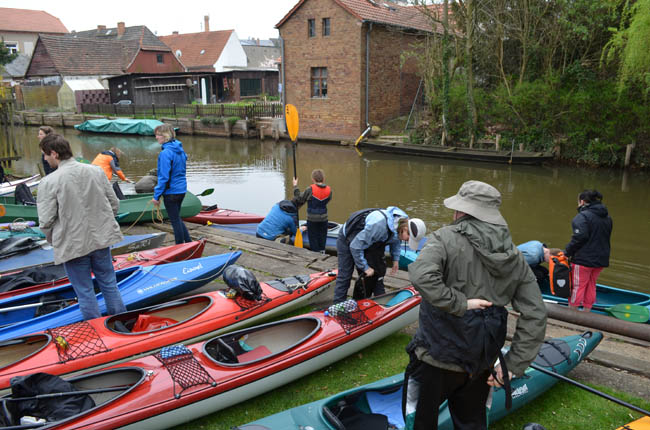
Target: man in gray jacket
{"x": 76, "y": 212}
{"x": 467, "y": 273}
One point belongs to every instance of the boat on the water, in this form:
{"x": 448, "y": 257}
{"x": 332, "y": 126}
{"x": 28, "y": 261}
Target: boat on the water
{"x": 216, "y": 215}
{"x": 109, "y": 340}
{"x": 133, "y": 208}
{"x": 143, "y": 127}
{"x": 458, "y": 153}
{"x": 45, "y": 253}
{"x": 382, "y": 400}
{"x": 27, "y": 281}
{"x": 181, "y": 383}
{"x": 7, "y": 188}
{"x": 139, "y": 286}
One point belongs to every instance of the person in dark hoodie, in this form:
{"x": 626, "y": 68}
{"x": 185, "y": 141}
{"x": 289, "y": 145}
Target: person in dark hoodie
{"x": 589, "y": 247}
{"x": 467, "y": 273}
{"x": 172, "y": 184}
{"x": 282, "y": 219}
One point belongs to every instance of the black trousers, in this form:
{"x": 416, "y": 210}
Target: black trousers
{"x": 466, "y": 397}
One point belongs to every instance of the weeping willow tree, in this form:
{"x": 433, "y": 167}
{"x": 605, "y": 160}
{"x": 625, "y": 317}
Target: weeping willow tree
{"x": 629, "y": 46}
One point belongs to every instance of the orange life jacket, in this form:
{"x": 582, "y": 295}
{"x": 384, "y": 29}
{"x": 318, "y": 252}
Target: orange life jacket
{"x": 103, "y": 160}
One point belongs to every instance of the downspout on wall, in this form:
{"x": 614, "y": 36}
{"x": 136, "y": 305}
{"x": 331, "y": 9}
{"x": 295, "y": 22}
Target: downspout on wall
{"x": 368, "y": 74}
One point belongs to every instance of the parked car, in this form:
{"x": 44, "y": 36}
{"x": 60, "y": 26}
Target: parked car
{"x": 123, "y": 102}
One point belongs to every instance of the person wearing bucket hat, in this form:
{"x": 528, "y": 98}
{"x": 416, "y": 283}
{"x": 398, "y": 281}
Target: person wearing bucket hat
{"x": 467, "y": 273}
{"x": 361, "y": 243}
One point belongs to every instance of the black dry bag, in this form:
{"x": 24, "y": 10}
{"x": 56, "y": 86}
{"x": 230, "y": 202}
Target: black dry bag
{"x": 243, "y": 281}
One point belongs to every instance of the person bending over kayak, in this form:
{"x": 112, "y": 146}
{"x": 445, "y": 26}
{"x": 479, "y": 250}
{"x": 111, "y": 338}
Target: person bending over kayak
{"x": 109, "y": 161}
{"x": 282, "y": 219}
{"x": 535, "y": 253}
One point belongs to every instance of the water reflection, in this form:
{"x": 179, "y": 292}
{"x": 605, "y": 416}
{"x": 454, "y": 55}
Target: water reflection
{"x": 250, "y": 175}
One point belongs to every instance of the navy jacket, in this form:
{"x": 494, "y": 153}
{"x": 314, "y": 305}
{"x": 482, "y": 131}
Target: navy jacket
{"x": 592, "y": 229}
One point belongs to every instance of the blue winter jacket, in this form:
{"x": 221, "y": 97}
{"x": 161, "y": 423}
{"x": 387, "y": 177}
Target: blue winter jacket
{"x": 375, "y": 231}
{"x": 282, "y": 219}
{"x": 533, "y": 252}
{"x": 171, "y": 170}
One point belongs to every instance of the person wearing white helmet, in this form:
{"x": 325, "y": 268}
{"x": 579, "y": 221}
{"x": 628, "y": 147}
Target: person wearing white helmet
{"x": 367, "y": 233}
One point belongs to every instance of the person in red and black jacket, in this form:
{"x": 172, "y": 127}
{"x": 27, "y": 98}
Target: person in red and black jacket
{"x": 589, "y": 247}
{"x": 317, "y": 196}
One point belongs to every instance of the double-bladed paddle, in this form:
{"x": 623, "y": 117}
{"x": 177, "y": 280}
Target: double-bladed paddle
{"x": 632, "y": 313}
{"x": 206, "y": 192}
{"x": 291, "y": 118}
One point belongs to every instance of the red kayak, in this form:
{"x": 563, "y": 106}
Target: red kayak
{"x": 149, "y": 257}
{"x": 215, "y": 215}
{"x": 107, "y": 340}
{"x": 181, "y": 383}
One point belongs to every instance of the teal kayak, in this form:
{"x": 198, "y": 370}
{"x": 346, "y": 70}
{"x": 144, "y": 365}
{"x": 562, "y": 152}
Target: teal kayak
{"x": 384, "y": 397}
{"x": 143, "y": 127}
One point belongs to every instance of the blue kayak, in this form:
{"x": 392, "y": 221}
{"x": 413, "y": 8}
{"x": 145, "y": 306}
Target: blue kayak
{"x": 384, "y": 397}
{"x": 139, "y": 287}
{"x": 45, "y": 254}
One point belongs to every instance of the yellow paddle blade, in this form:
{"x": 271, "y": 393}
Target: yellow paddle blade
{"x": 3, "y": 211}
{"x": 291, "y": 118}
{"x": 297, "y": 242}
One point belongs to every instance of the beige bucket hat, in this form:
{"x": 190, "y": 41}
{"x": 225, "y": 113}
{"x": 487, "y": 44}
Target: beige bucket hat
{"x": 478, "y": 199}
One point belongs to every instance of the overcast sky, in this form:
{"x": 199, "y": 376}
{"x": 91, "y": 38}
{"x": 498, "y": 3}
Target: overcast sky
{"x": 249, "y": 18}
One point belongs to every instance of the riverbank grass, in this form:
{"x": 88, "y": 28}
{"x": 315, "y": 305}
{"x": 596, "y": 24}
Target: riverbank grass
{"x": 562, "y": 407}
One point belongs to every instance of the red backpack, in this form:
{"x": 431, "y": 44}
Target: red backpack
{"x": 559, "y": 274}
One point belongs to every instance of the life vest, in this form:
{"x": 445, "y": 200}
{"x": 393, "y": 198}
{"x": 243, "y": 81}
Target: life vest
{"x": 320, "y": 196}
{"x": 357, "y": 222}
{"x": 104, "y": 159}
{"x": 559, "y": 273}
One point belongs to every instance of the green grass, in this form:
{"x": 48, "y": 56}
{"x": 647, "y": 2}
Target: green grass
{"x": 563, "y": 407}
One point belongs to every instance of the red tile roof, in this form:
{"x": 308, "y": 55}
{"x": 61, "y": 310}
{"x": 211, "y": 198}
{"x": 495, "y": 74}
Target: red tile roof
{"x": 30, "y": 21}
{"x": 381, "y": 12}
{"x": 191, "y": 45}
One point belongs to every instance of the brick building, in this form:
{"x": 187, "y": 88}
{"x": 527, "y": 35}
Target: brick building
{"x": 337, "y": 51}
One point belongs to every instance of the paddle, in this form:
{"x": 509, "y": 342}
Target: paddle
{"x": 291, "y": 118}
{"x": 633, "y": 313}
{"x": 35, "y": 305}
{"x": 67, "y": 393}
{"x": 206, "y": 192}
{"x": 591, "y": 390}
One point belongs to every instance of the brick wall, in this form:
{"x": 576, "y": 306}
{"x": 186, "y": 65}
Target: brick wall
{"x": 339, "y": 115}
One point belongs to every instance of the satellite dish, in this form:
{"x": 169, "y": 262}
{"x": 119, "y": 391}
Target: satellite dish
{"x": 188, "y": 82}
{"x": 178, "y": 53}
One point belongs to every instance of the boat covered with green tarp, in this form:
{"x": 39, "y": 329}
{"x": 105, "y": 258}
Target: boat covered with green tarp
{"x": 133, "y": 207}
{"x": 144, "y": 127}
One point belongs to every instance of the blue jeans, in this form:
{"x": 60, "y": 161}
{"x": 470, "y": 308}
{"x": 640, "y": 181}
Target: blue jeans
{"x": 173, "y": 205}
{"x": 79, "y": 271}
{"x": 346, "y": 268}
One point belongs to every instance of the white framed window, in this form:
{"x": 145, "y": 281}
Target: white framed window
{"x": 12, "y": 46}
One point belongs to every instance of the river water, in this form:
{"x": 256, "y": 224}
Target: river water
{"x": 250, "y": 175}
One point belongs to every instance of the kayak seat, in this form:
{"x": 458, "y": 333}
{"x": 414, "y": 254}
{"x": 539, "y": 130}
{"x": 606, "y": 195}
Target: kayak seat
{"x": 146, "y": 322}
{"x": 211, "y": 208}
{"x": 255, "y": 354}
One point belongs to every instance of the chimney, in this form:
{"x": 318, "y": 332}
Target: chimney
{"x": 175, "y": 33}
{"x": 101, "y": 28}
{"x": 258, "y": 41}
{"x": 120, "y": 29}
{"x": 206, "y": 26}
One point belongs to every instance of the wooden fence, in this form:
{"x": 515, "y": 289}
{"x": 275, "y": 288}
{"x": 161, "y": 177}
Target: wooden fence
{"x": 257, "y": 110}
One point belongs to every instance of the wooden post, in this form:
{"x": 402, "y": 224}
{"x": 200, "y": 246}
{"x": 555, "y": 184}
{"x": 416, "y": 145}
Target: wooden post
{"x": 262, "y": 132}
{"x": 174, "y": 105}
{"x": 628, "y": 153}
{"x": 496, "y": 143}
{"x": 133, "y": 110}
{"x": 153, "y": 110}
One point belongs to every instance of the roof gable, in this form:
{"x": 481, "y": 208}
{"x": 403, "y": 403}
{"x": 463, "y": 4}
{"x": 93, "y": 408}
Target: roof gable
{"x": 191, "y": 46}
{"x": 379, "y": 11}
{"x": 30, "y": 21}
{"x": 138, "y": 35}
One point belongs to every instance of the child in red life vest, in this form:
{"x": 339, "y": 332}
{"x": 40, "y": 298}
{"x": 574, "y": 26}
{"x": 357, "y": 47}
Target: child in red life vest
{"x": 316, "y": 196}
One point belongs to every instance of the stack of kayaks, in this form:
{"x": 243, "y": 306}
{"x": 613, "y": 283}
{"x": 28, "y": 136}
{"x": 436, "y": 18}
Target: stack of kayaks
{"x": 98, "y": 342}
{"x": 35, "y": 279}
{"x": 139, "y": 286}
{"x": 384, "y": 397}
{"x": 181, "y": 382}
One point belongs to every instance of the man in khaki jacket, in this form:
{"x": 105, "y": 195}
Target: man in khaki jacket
{"x": 76, "y": 212}
{"x": 467, "y": 273}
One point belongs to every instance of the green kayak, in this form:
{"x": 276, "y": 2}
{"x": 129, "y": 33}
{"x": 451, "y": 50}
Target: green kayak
{"x": 134, "y": 207}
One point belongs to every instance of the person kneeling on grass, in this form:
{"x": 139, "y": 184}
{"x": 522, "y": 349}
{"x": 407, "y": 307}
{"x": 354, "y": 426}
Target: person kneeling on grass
{"x": 282, "y": 219}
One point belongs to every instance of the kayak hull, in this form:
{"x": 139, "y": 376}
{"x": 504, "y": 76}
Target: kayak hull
{"x": 195, "y": 318}
{"x": 139, "y": 287}
{"x": 224, "y": 216}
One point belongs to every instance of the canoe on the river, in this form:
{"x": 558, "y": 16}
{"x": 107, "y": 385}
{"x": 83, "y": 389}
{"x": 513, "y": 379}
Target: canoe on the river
{"x": 45, "y": 253}
{"x": 384, "y": 397}
{"x": 181, "y": 383}
{"x": 186, "y": 320}
{"x": 35, "y": 279}
{"x": 133, "y": 207}
{"x": 139, "y": 286}
{"x": 459, "y": 153}
{"x": 7, "y": 188}
{"x": 217, "y": 215}
{"x": 144, "y": 127}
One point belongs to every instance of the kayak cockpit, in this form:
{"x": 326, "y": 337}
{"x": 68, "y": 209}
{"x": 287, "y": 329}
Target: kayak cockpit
{"x": 158, "y": 317}
{"x": 258, "y": 343}
{"x": 394, "y": 298}
{"x": 14, "y": 350}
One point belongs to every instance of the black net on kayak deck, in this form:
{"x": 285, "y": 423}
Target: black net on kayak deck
{"x": 76, "y": 341}
{"x": 183, "y": 368}
{"x": 348, "y": 315}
